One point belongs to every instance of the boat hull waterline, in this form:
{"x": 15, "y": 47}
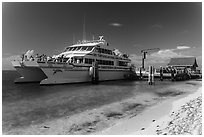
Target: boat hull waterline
{"x": 62, "y": 76}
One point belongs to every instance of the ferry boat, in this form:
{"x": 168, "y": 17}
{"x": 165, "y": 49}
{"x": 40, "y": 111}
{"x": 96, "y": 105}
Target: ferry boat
{"x": 75, "y": 64}
{"x": 82, "y": 62}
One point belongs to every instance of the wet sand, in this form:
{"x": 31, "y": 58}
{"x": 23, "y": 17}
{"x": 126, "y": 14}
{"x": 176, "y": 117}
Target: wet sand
{"x": 175, "y": 116}
{"x": 184, "y": 118}
{"x": 123, "y": 117}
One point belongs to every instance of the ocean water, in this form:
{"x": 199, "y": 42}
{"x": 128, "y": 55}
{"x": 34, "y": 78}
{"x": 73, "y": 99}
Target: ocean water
{"x": 26, "y": 104}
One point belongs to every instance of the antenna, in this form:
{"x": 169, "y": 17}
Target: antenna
{"x": 84, "y": 30}
{"x": 73, "y": 38}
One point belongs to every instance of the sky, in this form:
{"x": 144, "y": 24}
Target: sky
{"x": 47, "y": 28}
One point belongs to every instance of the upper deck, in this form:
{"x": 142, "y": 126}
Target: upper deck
{"x": 96, "y": 47}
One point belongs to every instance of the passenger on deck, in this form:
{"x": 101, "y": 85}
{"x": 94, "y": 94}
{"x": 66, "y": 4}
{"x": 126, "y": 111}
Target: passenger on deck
{"x": 49, "y": 58}
{"x": 22, "y": 57}
{"x": 37, "y": 57}
{"x": 31, "y": 58}
{"x": 25, "y": 57}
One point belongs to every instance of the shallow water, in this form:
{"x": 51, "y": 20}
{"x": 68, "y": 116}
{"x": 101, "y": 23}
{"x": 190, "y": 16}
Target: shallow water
{"x": 26, "y": 104}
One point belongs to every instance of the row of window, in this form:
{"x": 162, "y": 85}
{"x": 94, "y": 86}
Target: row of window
{"x": 121, "y": 63}
{"x": 89, "y": 61}
{"x": 105, "y": 51}
{"x": 105, "y": 62}
{"x": 79, "y": 48}
{"x": 100, "y": 62}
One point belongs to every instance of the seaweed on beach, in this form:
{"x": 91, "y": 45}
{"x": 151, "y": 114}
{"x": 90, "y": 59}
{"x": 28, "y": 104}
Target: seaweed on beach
{"x": 74, "y": 128}
{"x": 194, "y": 84}
{"x": 170, "y": 93}
{"x": 132, "y": 106}
{"x": 88, "y": 126}
{"x": 198, "y": 80}
{"x": 113, "y": 114}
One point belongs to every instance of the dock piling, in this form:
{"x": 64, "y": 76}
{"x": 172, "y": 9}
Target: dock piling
{"x": 161, "y": 73}
{"x": 172, "y": 74}
{"x": 141, "y": 77}
{"x": 151, "y": 75}
{"x": 95, "y": 74}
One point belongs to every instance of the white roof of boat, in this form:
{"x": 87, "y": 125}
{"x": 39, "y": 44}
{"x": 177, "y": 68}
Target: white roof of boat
{"x": 70, "y": 54}
{"x": 89, "y": 44}
{"x": 78, "y": 55}
{"x": 85, "y": 44}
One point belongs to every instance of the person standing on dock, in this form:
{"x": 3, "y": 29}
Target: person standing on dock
{"x": 141, "y": 73}
{"x": 161, "y": 73}
{"x": 172, "y": 73}
{"x": 151, "y": 75}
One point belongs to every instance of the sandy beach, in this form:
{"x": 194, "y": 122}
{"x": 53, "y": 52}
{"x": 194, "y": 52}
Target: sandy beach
{"x": 185, "y": 118}
{"x": 138, "y": 115}
{"x": 179, "y": 115}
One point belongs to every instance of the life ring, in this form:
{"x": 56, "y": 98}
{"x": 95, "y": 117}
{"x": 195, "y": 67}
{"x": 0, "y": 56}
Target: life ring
{"x": 91, "y": 71}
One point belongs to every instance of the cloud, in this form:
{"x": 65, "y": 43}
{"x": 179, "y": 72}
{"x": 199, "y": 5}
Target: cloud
{"x": 184, "y": 32}
{"x": 160, "y": 58}
{"x": 6, "y": 64}
{"x": 163, "y": 56}
{"x": 116, "y": 24}
{"x": 183, "y": 47}
{"x": 6, "y": 54}
{"x": 14, "y": 57}
{"x": 157, "y": 26}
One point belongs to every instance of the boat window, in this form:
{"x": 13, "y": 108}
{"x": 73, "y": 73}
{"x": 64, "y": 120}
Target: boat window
{"x": 67, "y": 49}
{"x": 109, "y": 62}
{"x": 89, "y": 48}
{"x": 110, "y": 52}
{"x": 96, "y": 49}
{"x": 78, "y": 48}
{"x": 122, "y": 63}
{"x": 73, "y": 49}
{"x": 88, "y": 61}
{"x": 70, "y": 49}
{"x": 105, "y": 62}
{"x": 100, "y": 62}
{"x": 106, "y": 51}
{"x": 102, "y": 50}
{"x": 84, "y": 48}
{"x": 99, "y": 50}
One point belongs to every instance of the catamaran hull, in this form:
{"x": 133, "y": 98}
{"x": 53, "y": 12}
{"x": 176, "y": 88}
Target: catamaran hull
{"x": 29, "y": 71}
{"x": 30, "y": 74}
{"x": 62, "y": 76}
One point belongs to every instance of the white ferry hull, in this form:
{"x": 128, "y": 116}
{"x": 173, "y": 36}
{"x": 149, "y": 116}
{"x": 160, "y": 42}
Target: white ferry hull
{"x": 63, "y": 76}
{"x": 29, "y": 71}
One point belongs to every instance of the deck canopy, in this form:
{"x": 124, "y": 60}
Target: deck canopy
{"x": 186, "y": 61}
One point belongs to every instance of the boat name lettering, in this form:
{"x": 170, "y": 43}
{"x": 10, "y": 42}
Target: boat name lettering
{"x": 56, "y": 70}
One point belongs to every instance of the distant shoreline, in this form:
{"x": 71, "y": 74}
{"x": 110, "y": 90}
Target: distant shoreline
{"x": 9, "y": 70}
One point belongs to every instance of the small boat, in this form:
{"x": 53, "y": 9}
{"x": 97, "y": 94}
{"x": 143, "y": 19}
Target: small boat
{"x": 29, "y": 69}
